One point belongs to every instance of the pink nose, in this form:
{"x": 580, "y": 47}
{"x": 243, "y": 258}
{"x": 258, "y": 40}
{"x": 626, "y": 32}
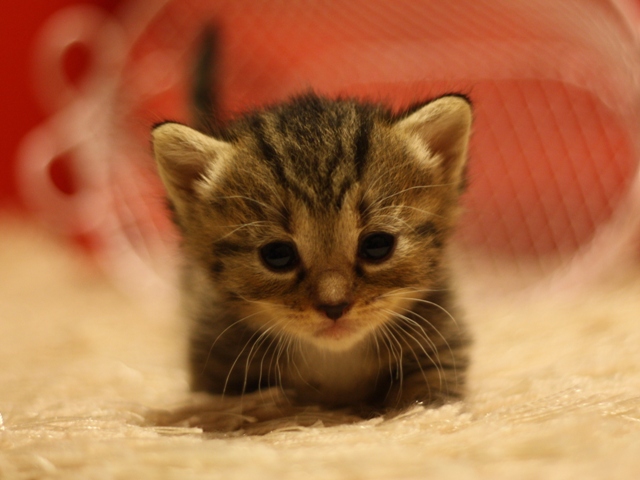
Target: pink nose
{"x": 334, "y": 312}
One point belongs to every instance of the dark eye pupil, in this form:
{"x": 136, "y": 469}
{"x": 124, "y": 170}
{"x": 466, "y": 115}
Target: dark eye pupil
{"x": 279, "y": 255}
{"x": 376, "y": 246}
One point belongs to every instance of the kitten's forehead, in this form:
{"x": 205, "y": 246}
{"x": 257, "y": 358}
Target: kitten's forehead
{"x": 316, "y": 150}
{"x": 318, "y": 159}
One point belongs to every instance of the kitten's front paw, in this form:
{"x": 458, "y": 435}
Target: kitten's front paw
{"x": 257, "y": 413}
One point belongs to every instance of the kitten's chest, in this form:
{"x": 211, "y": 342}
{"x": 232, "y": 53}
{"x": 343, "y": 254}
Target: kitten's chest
{"x": 331, "y": 377}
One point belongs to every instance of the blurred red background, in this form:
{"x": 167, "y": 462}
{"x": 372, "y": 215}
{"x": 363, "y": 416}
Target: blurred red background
{"x": 554, "y": 136}
{"x": 20, "y": 23}
{"x": 554, "y": 145}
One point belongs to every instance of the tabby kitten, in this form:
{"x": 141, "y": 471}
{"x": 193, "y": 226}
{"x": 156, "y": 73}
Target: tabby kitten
{"x": 314, "y": 239}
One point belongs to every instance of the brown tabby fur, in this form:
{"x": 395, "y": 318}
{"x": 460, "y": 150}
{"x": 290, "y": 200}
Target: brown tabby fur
{"x": 322, "y": 174}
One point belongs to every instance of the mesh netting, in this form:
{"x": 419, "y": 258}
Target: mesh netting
{"x": 554, "y": 86}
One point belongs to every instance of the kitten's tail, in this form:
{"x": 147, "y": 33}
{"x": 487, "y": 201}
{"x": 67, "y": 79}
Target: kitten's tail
{"x": 204, "y": 94}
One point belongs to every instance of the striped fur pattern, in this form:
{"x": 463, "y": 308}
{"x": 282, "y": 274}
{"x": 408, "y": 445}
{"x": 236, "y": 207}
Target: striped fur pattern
{"x": 338, "y": 183}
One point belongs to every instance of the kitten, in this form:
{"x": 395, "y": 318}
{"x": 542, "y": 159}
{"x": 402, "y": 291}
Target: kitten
{"x": 314, "y": 237}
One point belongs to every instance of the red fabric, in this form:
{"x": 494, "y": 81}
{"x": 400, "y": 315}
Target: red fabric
{"x": 19, "y": 24}
{"x": 554, "y": 147}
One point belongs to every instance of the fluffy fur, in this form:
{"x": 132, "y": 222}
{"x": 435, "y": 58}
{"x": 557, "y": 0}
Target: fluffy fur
{"x": 553, "y": 388}
{"x": 322, "y": 176}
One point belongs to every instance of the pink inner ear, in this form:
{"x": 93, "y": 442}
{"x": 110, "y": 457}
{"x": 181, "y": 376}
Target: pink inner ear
{"x": 446, "y": 133}
{"x": 181, "y": 159}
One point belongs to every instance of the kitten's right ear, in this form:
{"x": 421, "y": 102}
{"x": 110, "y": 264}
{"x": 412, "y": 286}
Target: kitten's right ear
{"x": 444, "y": 127}
{"x": 184, "y": 156}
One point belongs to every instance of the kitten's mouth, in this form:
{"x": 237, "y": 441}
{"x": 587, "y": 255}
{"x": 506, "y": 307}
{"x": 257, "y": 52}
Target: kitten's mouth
{"x": 340, "y": 334}
{"x": 336, "y": 331}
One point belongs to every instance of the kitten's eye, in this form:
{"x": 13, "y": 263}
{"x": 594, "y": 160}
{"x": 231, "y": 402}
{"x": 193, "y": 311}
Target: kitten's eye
{"x": 376, "y": 247}
{"x": 279, "y": 256}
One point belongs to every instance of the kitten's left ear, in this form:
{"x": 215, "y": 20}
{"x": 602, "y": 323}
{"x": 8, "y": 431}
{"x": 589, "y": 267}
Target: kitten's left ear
{"x": 184, "y": 156}
{"x": 444, "y": 126}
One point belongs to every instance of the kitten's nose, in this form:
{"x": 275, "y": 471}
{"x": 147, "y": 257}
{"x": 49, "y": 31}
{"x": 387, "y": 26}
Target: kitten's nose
{"x": 334, "y": 312}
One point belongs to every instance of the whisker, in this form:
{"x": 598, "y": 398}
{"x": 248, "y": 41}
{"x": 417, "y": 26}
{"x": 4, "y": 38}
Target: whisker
{"x": 400, "y": 220}
{"x": 397, "y": 353}
{"x": 428, "y": 302}
{"x": 300, "y": 349}
{"x": 421, "y": 300}
{"x": 391, "y": 354}
{"x": 244, "y": 197}
{"x": 420, "y": 331}
{"x": 244, "y": 225}
{"x": 378, "y": 357}
{"x": 390, "y": 350}
{"x": 410, "y": 207}
{"x": 414, "y": 324}
{"x": 283, "y": 343}
{"x": 287, "y": 349}
{"x": 382, "y": 179}
{"x": 275, "y": 339}
{"x": 433, "y": 327}
{"x": 222, "y": 333}
{"x": 226, "y": 382}
{"x": 417, "y": 187}
{"x": 398, "y": 291}
{"x": 418, "y": 362}
{"x": 437, "y": 331}
{"x": 256, "y": 302}
{"x": 264, "y": 336}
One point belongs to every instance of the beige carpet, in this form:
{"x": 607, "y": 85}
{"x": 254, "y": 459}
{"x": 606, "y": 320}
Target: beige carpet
{"x": 86, "y": 374}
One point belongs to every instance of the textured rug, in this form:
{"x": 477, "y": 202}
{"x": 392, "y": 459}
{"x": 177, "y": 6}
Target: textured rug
{"x": 92, "y": 385}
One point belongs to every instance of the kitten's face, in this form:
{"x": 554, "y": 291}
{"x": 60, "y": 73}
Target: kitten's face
{"x": 321, "y": 221}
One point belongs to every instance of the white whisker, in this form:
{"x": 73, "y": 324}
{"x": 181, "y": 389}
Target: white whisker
{"x": 275, "y": 339}
{"x": 226, "y": 382}
{"x": 420, "y": 331}
{"x": 398, "y": 219}
{"x": 245, "y": 225}
{"x": 430, "y": 324}
{"x": 418, "y": 362}
{"x": 417, "y": 187}
{"x": 295, "y": 365}
{"x": 243, "y": 197}
{"x": 264, "y": 336}
{"x": 397, "y": 353}
{"x": 284, "y": 342}
{"x": 437, "y": 331}
{"x": 426, "y": 212}
{"x": 204, "y": 366}
{"x": 398, "y": 291}
{"x": 255, "y": 302}
{"x": 422, "y": 300}
{"x": 383, "y": 179}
